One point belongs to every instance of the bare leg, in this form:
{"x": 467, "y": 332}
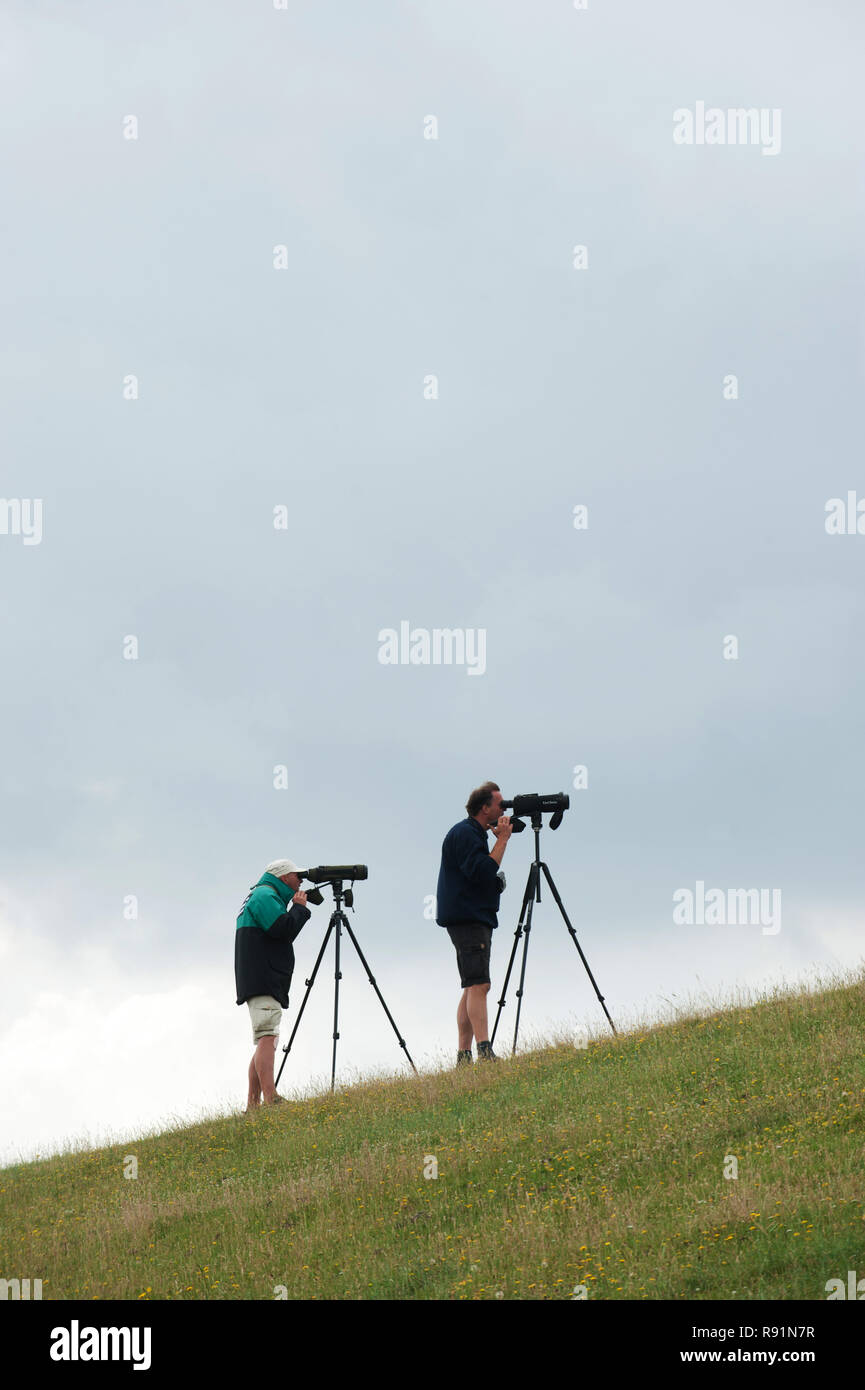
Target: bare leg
{"x": 254, "y": 1097}
{"x": 463, "y": 1024}
{"x": 476, "y": 1006}
{"x": 264, "y": 1058}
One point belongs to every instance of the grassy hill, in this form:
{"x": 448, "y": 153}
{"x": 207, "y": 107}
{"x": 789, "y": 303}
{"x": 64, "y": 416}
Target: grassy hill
{"x": 601, "y": 1167}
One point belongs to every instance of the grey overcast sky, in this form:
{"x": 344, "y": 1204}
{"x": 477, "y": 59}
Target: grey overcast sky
{"x": 322, "y": 258}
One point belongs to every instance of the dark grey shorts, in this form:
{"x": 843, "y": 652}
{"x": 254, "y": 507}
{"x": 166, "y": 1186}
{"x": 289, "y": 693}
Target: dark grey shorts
{"x": 472, "y": 941}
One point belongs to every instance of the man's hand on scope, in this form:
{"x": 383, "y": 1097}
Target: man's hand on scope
{"x": 299, "y": 898}
{"x": 502, "y": 831}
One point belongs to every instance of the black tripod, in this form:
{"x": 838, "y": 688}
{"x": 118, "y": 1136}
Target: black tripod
{"x": 338, "y": 920}
{"x": 530, "y": 897}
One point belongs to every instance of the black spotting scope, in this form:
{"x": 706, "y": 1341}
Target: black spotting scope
{"x": 533, "y": 805}
{"x": 325, "y": 872}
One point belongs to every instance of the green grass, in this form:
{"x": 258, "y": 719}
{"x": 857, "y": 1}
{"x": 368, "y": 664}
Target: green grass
{"x": 600, "y": 1166}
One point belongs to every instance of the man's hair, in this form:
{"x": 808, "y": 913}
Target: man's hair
{"x": 481, "y": 796}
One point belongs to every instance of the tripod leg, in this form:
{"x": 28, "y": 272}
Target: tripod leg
{"x": 336, "y": 979}
{"x": 527, "y": 898}
{"x": 309, "y": 984}
{"x": 561, "y": 905}
{"x": 371, "y": 979}
{"x": 528, "y": 929}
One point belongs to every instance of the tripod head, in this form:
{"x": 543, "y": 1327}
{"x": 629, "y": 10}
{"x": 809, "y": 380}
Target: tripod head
{"x": 340, "y": 895}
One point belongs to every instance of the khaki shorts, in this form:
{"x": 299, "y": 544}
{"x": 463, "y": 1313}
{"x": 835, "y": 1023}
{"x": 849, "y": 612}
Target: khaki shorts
{"x": 266, "y": 1015}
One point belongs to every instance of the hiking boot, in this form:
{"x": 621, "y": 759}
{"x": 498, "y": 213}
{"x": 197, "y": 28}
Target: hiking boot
{"x": 485, "y": 1052}
{"x": 464, "y": 1059}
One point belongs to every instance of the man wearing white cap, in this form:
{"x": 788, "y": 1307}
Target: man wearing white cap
{"x": 269, "y": 920}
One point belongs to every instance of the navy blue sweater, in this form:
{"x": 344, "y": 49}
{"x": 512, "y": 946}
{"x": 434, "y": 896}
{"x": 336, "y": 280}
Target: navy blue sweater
{"x": 468, "y": 886}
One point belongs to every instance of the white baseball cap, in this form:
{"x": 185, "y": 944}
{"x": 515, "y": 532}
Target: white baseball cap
{"x": 280, "y": 867}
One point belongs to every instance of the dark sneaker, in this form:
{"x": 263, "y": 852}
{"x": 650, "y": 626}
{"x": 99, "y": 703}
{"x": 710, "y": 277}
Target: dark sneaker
{"x": 464, "y": 1059}
{"x": 485, "y": 1052}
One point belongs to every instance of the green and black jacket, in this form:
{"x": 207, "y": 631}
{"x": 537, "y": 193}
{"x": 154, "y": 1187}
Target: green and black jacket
{"x": 267, "y": 924}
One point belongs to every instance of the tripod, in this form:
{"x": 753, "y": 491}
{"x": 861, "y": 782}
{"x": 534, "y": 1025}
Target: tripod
{"x": 524, "y": 927}
{"x": 338, "y": 920}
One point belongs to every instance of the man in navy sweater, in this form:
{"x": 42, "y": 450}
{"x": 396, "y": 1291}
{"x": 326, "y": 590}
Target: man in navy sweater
{"x": 467, "y": 900}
